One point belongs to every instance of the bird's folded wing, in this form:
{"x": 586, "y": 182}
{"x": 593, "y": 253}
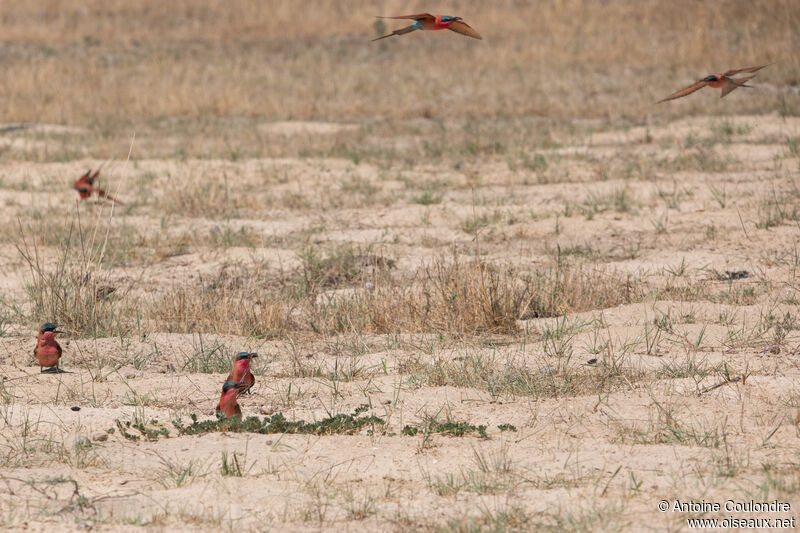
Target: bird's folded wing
{"x": 687, "y": 90}
{"x": 418, "y": 16}
{"x": 746, "y": 69}
{"x": 465, "y": 29}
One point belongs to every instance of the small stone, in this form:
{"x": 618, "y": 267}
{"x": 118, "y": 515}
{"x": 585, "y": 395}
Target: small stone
{"x": 100, "y": 437}
{"x": 130, "y": 375}
{"x": 75, "y": 408}
{"x": 82, "y": 440}
{"x": 387, "y": 402}
{"x": 266, "y": 410}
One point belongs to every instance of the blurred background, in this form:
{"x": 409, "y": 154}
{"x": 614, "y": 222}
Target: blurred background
{"x": 203, "y": 75}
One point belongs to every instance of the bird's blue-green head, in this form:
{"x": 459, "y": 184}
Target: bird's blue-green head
{"x": 49, "y": 326}
{"x": 448, "y": 18}
{"x": 245, "y": 355}
{"x": 712, "y": 77}
{"x": 230, "y": 385}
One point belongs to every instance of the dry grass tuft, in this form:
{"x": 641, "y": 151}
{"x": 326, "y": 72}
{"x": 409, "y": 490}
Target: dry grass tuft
{"x": 72, "y": 288}
{"x": 237, "y": 300}
{"x": 344, "y": 266}
{"x": 454, "y": 297}
{"x": 472, "y": 297}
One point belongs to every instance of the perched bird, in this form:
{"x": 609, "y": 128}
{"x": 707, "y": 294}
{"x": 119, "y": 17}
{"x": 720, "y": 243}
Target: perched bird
{"x": 227, "y": 402}
{"x": 717, "y": 81}
{"x": 241, "y": 371}
{"x": 85, "y": 187}
{"x": 47, "y": 350}
{"x": 426, "y": 21}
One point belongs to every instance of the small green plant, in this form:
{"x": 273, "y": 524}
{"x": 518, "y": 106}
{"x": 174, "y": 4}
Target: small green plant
{"x": 452, "y": 428}
{"x": 175, "y": 473}
{"x": 209, "y": 359}
{"x": 230, "y": 466}
{"x": 429, "y": 196}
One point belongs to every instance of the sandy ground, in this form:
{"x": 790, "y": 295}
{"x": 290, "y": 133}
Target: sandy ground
{"x": 700, "y": 197}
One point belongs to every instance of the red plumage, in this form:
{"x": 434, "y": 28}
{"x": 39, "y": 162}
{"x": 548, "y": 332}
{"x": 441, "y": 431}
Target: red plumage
{"x": 85, "y": 187}
{"x": 47, "y": 350}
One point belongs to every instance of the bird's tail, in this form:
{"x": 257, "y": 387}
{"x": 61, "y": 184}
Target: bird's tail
{"x": 401, "y": 31}
{"x": 102, "y": 193}
{"x": 735, "y": 83}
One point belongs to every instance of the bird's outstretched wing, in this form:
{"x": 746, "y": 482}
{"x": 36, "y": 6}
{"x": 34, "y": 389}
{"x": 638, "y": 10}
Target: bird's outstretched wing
{"x": 418, "y": 16}
{"x": 746, "y": 69}
{"x": 103, "y": 194}
{"x": 464, "y": 29}
{"x": 735, "y": 84}
{"x": 401, "y": 31}
{"x": 696, "y": 86}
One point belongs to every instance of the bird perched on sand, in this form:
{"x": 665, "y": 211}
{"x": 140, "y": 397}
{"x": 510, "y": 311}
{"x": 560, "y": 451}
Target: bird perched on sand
{"x": 85, "y": 187}
{"x": 227, "y": 402}
{"x": 426, "y": 21}
{"x": 722, "y": 81}
{"x": 241, "y": 371}
{"x": 47, "y": 350}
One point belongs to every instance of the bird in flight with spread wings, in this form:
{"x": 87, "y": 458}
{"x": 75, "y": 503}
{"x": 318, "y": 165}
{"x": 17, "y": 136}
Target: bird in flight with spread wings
{"x": 85, "y": 187}
{"x": 722, "y": 81}
{"x": 426, "y": 21}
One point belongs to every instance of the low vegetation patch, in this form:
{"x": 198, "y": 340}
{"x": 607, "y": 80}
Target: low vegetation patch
{"x": 346, "y": 424}
{"x": 339, "y": 424}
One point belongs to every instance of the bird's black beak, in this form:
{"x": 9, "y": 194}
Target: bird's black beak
{"x": 253, "y": 355}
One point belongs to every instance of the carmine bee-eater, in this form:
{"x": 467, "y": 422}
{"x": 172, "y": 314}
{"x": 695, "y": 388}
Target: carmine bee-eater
{"x": 47, "y": 350}
{"x": 85, "y": 187}
{"x": 241, "y": 370}
{"x": 717, "y": 81}
{"x": 426, "y": 21}
{"x": 227, "y": 402}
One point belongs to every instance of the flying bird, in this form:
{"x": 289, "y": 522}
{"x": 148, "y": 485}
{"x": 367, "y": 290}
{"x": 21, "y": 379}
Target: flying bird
{"x": 426, "y": 21}
{"x": 241, "y": 371}
{"x": 722, "y": 81}
{"x": 85, "y": 187}
{"x": 227, "y": 402}
{"x": 47, "y": 350}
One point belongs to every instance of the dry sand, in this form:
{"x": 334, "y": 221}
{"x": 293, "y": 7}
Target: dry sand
{"x": 677, "y": 205}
